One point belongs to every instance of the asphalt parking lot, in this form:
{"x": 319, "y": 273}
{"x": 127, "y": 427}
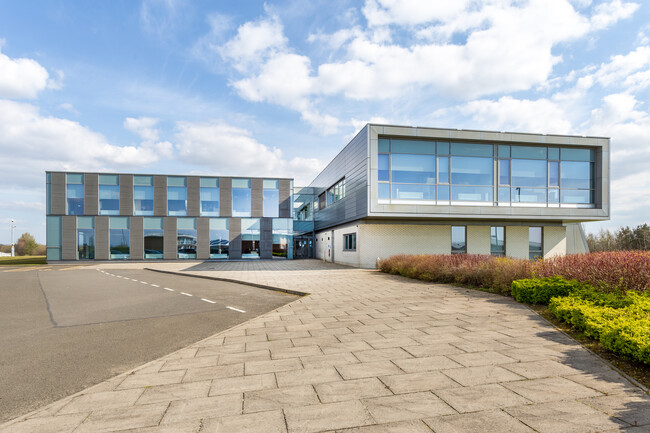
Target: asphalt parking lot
{"x": 67, "y": 328}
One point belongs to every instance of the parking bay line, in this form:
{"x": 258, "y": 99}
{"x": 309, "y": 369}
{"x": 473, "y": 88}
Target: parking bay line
{"x": 186, "y": 294}
{"x": 167, "y": 288}
{"x": 236, "y": 309}
{"x": 207, "y": 300}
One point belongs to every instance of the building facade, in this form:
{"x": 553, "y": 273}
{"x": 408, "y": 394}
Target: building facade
{"x": 391, "y": 190}
{"x": 412, "y": 190}
{"x": 103, "y": 216}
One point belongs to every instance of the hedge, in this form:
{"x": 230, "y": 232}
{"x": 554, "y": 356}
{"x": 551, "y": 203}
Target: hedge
{"x": 541, "y": 290}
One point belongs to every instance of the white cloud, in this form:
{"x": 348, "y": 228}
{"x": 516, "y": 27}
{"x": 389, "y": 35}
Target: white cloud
{"x": 516, "y": 115}
{"x": 255, "y": 40}
{"x": 230, "y": 150}
{"x": 34, "y": 143}
{"x": 625, "y": 69}
{"x": 411, "y": 12}
{"x": 607, "y": 14}
{"x": 142, "y": 126}
{"x": 21, "y": 78}
{"x": 161, "y": 17}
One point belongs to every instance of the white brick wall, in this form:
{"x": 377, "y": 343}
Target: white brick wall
{"x": 385, "y": 240}
{"x": 517, "y": 242}
{"x": 554, "y": 241}
{"x": 478, "y": 239}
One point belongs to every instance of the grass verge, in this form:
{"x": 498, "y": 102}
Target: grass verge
{"x": 22, "y": 260}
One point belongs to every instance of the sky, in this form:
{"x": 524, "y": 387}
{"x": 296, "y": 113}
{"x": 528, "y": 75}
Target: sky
{"x": 277, "y": 88}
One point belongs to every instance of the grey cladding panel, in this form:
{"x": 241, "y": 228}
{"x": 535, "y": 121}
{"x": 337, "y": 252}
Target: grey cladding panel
{"x": 91, "y": 194}
{"x": 137, "y": 238}
{"x": 58, "y": 193}
{"x": 160, "y": 195}
{"x": 193, "y": 195}
{"x": 225, "y": 196}
{"x": 203, "y": 241}
{"x": 69, "y": 237}
{"x": 170, "y": 245}
{"x": 351, "y": 163}
{"x": 256, "y": 198}
{"x": 101, "y": 238}
{"x": 126, "y": 194}
{"x": 285, "y": 198}
{"x": 266, "y": 238}
{"x": 234, "y": 225}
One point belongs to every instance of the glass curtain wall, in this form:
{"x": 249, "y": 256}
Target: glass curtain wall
{"x": 53, "y": 237}
{"x": 119, "y": 238}
{"x": 250, "y": 238}
{"x": 85, "y": 238}
{"x": 176, "y": 196}
{"x": 219, "y": 238}
{"x": 283, "y": 238}
{"x": 498, "y": 241}
{"x": 425, "y": 170}
{"x": 209, "y": 196}
{"x": 143, "y": 195}
{"x": 109, "y": 194}
{"x": 241, "y": 197}
{"x": 271, "y": 198}
{"x": 153, "y": 238}
{"x": 459, "y": 240}
{"x": 186, "y": 238}
{"x": 74, "y": 193}
{"x": 48, "y": 193}
{"x": 535, "y": 243}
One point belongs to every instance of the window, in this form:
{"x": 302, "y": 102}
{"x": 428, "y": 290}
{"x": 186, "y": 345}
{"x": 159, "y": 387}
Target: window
{"x": 413, "y": 168}
{"x": 283, "y": 238}
{"x": 271, "y": 198}
{"x": 153, "y": 238}
{"x": 219, "y": 238}
{"x": 350, "y": 242}
{"x": 497, "y": 241}
{"x": 535, "y": 244}
{"x": 142, "y": 195}
{"x": 241, "y": 197}
{"x": 250, "y": 238}
{"x": 321, "y": 201}
{"x": 186, "y": 237}
{"x": 119, "y": 238}
{"x": 109, "y": 194}
{"x": 458, "y": 240}
{"x": 53, "y": 237}
{"x": 74, "y": 194}
{"x": 176, "y": 196}
{"x": 85, "y": 238}
{"x": 209, "y": 196}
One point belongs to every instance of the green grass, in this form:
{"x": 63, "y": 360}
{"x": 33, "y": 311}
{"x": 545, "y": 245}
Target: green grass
{"x": 22, "y": 260}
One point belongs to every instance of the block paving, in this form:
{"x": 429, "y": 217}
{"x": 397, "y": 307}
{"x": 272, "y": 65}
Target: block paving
{"x": 364, "y": 352}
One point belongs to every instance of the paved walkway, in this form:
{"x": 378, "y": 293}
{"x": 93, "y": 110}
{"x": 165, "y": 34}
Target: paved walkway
{"x": 364, "y": 353}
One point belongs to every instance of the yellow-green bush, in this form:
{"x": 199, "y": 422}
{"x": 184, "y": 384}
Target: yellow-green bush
{"x": 541, "y": 290}
{"x": 622, "y": 329}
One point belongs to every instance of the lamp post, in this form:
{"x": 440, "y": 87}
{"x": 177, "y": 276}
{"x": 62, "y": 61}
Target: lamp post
{"x": 12, "y": 236}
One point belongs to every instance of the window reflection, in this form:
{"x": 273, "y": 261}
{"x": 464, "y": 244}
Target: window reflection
{"x": 458, "y": 240}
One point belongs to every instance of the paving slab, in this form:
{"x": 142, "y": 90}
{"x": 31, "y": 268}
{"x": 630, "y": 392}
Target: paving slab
{"x": 365, "y": 352}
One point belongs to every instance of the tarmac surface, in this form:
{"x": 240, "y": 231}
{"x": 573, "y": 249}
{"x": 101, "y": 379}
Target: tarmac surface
{"x": 65, "y": 328}
{"x": 365, "y": 352}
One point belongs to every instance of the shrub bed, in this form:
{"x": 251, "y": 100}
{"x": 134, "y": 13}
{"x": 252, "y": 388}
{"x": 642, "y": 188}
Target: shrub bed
{"x": 621, "y": 324}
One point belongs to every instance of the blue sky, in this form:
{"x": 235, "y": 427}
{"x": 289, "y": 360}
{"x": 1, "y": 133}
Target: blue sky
{"x": 262, "y": 89}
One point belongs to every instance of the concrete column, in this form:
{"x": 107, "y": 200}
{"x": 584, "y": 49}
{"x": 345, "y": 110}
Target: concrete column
{"x": 234, "y": 225}
{"x": 193, "y": 196}
{"x": 102, "y": 249}
{"x": 554, "y": 241}
{"x": 203, "y": 238}
{"x": 69, "y": 237}
{"x": 126, "y": 194}
{"x": 58, "y": 193}
{"x": 225, "y": 197}
{"x": 257, "y": 194}
{"x": 160, "y": 196}
{"x": 137, "y": 238}
{"x": 170, "y": 242}
{"x": 91, "y": 194}
{"x": 285, "y": 198}
{"x": 266, "y": 238}
{"x": 517, "y": 242}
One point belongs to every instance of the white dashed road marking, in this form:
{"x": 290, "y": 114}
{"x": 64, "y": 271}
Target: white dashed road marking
{"x": 143, "y": 282}
{"x": 207, "y": 300}
{"x": 167, "y": 288}
{"x": 155, "y": 285}
{"x": 186, "y": 294}
{"x": 235, "y": 309}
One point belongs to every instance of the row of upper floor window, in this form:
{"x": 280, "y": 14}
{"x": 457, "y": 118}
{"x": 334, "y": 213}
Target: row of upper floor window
{"x": 143, "y": 196}
{"x": 471, "y": 172}
{"x": 332, "y": 194}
